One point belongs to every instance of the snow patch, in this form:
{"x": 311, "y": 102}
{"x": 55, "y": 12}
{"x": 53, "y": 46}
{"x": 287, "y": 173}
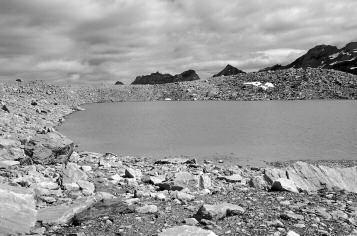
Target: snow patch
{"x": 334, "y": 56}
{"x": 265, "y": 86}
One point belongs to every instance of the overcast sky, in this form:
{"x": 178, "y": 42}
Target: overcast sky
{"x": 109, "y": 40}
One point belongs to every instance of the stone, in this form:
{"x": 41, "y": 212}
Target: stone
{"x": 71, "y": 186}
{"x": 49, "y": 148}
{"x": 205, "y": 182}
{"x": 10, "y": 150}
{"x": 86, "y": 187}
{"x": 191, "y": 221}
{"x": 290, "y": 215}
{"x": 282, "y": 184}
{"x": 153, "y": 179}
{"x": 108, "y": 208}
{"x": 86, "y": 168}
{"x": 218, "y": 211}
{"x": 292, "y": 233}
{"x": 258, "y": 182}
{"x": 131, "y": 173}
{"x": 147, "y": 209}
{"x": 4, "y": 164}
{"x": 72, "y": 174}
{"x": 232, "y": 178}
{"x": 63, "y": 214}
{"x": 17, "y": 210}
{"x": 182, "y": 196}
{"x": 186, "y": 230}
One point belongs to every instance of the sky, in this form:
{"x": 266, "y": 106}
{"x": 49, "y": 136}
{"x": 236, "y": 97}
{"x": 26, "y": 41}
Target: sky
{"x": 103, "y": 41}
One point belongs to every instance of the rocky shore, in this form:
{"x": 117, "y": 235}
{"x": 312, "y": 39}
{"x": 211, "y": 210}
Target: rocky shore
{"x": 48, "y": 187}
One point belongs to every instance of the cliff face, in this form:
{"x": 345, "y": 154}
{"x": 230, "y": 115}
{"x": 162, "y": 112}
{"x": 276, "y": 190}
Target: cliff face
{"x": 326, "y": 57}
{"x": 158, "y": 78}
{"x": 229, "y": 70}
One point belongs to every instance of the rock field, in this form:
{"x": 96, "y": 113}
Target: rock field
{"x": 48, "y": 187}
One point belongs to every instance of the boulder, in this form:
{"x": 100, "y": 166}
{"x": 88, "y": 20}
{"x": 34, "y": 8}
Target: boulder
{"x": 49, "y": 148}
{"x": 218, "y": 211}
{"x": 284, "y": 185}
{"x": 10, "y": 149}
{"x": 17, "y": 210}
{"x": 312, "y": 178}
{"x": 180, "y": 181}
{"x": 186, "y": 230}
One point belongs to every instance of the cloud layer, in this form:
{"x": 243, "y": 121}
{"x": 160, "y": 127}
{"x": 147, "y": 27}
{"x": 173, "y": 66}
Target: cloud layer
{"x": 109, "y": 40}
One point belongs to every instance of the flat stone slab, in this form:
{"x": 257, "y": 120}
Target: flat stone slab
{"x": 63, "y": 214}
{"x": 17, "y": 210}
{"x": 186, "y": 230}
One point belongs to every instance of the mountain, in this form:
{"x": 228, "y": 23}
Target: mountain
{"x": 326, "y": 57}
{"x": 229, "y": 70}
{"x": 118, "y": 83}
{"x": 158, "y": 78}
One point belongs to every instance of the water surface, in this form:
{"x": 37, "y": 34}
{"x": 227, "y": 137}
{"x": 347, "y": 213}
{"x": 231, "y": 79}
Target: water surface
{"x": 269, "y": 130}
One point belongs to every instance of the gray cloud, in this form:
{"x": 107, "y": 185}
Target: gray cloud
{"x": 106, "y": 40}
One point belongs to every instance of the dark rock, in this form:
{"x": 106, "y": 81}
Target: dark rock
{"x": 4, "y": 108}
{"x": 118, "y": 83}
{"x": 50, "y": 148}
{"x": 109, "y": 208}
{"x": 229, "y": 70}
{"x": 158, "y": 78}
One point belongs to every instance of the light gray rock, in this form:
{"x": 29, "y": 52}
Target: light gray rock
{"x": 86, "y": 187}
{"x": 17, "y": 210}
{"x": 147, "y": 209}
{"x": 282, "y": 184}
{"x": 186, "y": 230}
{"x": 218, "y": 211}
{"x": 72, "y": 174}
{"x": 312, "y": 178}
{"x": 292, "y": 233}
{"x": 182, "y": 196}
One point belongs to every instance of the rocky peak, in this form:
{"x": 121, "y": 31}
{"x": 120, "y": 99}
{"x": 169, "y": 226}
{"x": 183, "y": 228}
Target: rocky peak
{"x": 118, "y": 83}
{"x": 158, "y": 78}
{"x": 229, "y": 70}
{"x": 352, "y": 46}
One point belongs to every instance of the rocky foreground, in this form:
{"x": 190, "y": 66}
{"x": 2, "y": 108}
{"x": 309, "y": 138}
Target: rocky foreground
{"x": 48, "y": 187}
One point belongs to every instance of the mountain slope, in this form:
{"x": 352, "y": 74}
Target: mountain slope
{"x": 326, "y": 57}
{"x": 229, "y": 70}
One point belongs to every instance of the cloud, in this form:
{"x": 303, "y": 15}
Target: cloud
{"x": 109, "y": 40}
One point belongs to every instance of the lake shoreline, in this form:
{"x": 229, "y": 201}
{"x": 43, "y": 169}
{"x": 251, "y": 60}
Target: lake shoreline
{"x": 59, "y": 191}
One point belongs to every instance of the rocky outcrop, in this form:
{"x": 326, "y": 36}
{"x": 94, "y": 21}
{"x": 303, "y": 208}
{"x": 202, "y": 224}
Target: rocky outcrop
{"x": 17, "y": 210}
{"x": 158, "y": 78}
{"x": 229, "y": 70}
{"x": 311, "y": 178}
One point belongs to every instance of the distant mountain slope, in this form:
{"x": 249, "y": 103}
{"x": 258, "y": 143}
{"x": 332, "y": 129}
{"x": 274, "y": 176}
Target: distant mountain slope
{"x": 326, "y": 57}
{"x": 229, "y": 70}
{"x": 158, "y": 78}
